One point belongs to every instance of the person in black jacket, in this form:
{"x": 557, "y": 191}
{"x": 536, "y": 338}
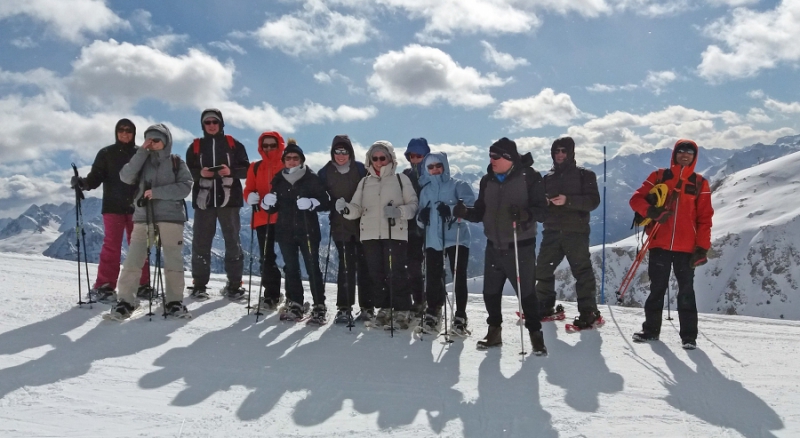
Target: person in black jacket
{"x": 341, "y": 177}
{"x": 117, "y": 210}
{"x": 571, "y": 194}
{"x": 297, "y": 194}
{"x": 415, "y": 154}
{"x": 218, "y": 164}
{"x": 511, "y": 193}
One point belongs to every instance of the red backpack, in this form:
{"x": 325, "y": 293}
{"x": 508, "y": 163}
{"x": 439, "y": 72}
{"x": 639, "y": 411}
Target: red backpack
{"x": 196, "y": 144}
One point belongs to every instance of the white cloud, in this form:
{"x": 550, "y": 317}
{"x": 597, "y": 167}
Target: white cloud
{"x": 782, "y": 107}
{"x": 654, "y": 8}
{"x": 68, "y": 19}
{"x": 757, "y": 115}
{"x": 503, "y": 61}
{"x": 24, "y": 43}
{"x": 756, "y": 94}
{"x": 165, "y": 42}
{"x": 315, "y": 29}
{"x": 755, "y": 41}
{"x": 228, "y": 46}
{"x": 603, "y": 88}
{"x": 459, "y": 152}
{"x": 546, "y": 108}
{"x": 18, "y": 192}
{"x": 655, "y": 82}
{"x": 314, "y": 113}
{"x": 420, "y": 75}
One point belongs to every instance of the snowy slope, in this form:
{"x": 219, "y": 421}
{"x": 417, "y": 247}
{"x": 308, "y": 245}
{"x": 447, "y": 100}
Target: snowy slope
{"x": 66, "y": 373}
{"x": 754, "y": 262}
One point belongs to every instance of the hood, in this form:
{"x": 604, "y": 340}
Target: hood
{"x": 275, "y": 156}
{"x": 389, "y": 149}
{"x": 344, "y": 141}
{"x": 567, "y": 143}
{"x": 162, "y": 128}
{"x": 125, "y": 122}
{"x": 433, "y": 157}
{"x": 218, "y": 114}
{"x": 676, "y": 169}
{"x": 417, "y": 146}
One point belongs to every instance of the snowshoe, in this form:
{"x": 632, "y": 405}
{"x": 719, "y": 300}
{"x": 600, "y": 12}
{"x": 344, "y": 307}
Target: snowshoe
{"x": 176, "y": 309}
{"x": 429, "y": 325}
{"x": 367, "y": 315}
{"x": 381, "y": 319}
{"x": 459, "y": 327}
{"x": 318, "y": 313}
{"x": 644, "y": 336}
{"x": 121, "y": 311}
{"x": 554, "y": 314}
{"x": 199, "y": 293}
{"x": 343, "y": 316}
{"x": 268, "y": 304}
{"x": 234, "y": 292}
{"x": 418, "y": 309}
{"x": 537, "y": 341}
{"x": 294, "y": 312}
{"x": 493, "y": 338}
{"x": 586, "y": 321}
{"x": 402, "y": 320}
{"x": 103, "y": 294}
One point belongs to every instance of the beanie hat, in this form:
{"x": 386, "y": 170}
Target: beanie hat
{"x": 293, "y": 148}
{"x": 507, "y": 148}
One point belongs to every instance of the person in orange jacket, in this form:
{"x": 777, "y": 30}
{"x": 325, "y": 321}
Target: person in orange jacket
{"x": 258, "y": 184}
{"x": 681, "y": 240}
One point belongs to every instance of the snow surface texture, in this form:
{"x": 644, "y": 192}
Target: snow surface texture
{"x": 64, "y": 372}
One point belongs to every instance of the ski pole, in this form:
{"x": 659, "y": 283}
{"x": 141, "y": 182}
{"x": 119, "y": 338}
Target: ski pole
{"x": 263, "y": 256}
{"x": 519, "y": 287}
{"x": 669, "y": 304}
{"x": 391, "y": 287}
{"x": 424, "y": 274}
{"x": 603, "y": 270}
{"x": 350, "y": 297}
{"x": 311, "y": 279}
{"x": 628, "y": 278}
{"x": 455, "y": 271}
{"x": 78, "y": 229}
{"x": 250, "y": 269}
{"x": 148, "y": 230}
{"x": 443, "y": 293}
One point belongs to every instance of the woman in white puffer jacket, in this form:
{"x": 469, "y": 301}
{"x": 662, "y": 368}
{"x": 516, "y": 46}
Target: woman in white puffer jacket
{"x": 385, "y": 196}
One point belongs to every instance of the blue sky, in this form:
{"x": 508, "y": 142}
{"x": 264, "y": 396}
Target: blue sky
{"x": 632, "y": 75}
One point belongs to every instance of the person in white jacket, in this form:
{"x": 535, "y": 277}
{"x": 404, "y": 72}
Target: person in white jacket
{"x": 384, "y": 202}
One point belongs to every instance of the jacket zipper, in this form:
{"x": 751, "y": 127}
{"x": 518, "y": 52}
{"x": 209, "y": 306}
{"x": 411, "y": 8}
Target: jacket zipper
{"x": 214, "y": 163}
{"x": 675, "y": 219}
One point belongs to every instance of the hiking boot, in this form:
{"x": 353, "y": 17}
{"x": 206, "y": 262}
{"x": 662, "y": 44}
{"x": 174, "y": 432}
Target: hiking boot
{"x": 103, "y": 294}
{"x": 270, "y": 304}
{"x": 493, "y": 338}
{"x": 144, "y": 292}
{"x": 199, "y": 293}
{"x": 689, "y": 344}
{"x": 460, "y": 325}
{"x": 292, "y": 311}
{"x": 586, "y": 319}
{"x": 122, "y": 310}
{"x": 234, "y": 292}
{"x": 537, "y": 340}
{"x": 176, "y": 309}
{"x": 552, "y": 313}
{"x": 430, "y": 324}
{"x": 318, "y": 313}
{"x": 644, "y": 336}
{"x": 343, "y": 315}
{"x": 367, "y": 315}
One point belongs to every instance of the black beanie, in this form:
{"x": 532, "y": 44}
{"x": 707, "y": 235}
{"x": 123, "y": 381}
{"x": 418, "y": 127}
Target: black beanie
{"x": 293, "y": 148}
{"x": 507, "y": 148}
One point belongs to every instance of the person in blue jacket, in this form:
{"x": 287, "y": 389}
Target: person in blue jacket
{"x": 439, "y": 194}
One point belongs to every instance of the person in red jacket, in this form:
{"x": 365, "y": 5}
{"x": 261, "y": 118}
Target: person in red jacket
{"x": 258, "y": 184}
{"x": 681, "y": 240}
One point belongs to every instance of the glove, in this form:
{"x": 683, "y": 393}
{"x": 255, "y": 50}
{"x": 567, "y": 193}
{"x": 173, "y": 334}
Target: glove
{"x": 77, "y": 182}
{"x": 269, "y": 201}
{"x": 391, "y": 212}
{"x": 424, "y": 216}
{"x": 460, "y": 210}
{"x": 307, "y": 203}
{"x": 699, "y": 257}
{"x": 658, "y": 214}
{"x": 253, "y": 198}
{"x": 444, "y": 210}
{"x": 341, "y": 205}
{"x": 518, "y": 214}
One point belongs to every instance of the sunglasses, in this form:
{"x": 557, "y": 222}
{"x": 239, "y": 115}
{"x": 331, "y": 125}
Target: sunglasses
{"x": 685, "y": 151}
{"x": 496, "y": 156}
{"x": 415, "y": 156}
{"x": 155, "y": 140}
{"x": 291, "y": 158}
{"x": 211, "y": 122}
{"x": 381, "y": 158}
{"x": 341, "y": 152}
{"x": 560, "y": 151}
{"x": 435, "y": 166}
{"x": 125, "y": 131}
{"x": 269, "y": 145}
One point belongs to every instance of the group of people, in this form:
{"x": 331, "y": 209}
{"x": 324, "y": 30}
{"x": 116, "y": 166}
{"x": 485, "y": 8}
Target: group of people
{"x": 393, "y": 231}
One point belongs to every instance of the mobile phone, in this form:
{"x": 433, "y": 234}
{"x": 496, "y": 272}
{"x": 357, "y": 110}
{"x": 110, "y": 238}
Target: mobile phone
{"x": 215, "y": 168}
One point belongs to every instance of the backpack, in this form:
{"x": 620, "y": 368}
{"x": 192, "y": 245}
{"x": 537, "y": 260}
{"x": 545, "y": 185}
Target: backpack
{"x": 196, "y": 144}
{"x": 176, "y": 161}
{"x": 663, "y": 176}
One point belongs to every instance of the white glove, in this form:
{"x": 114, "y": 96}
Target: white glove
{"x": 341, "y": 204}
{"x": 391, "y": 212}
{"x": 253, "y": 198}
{"x": 307, "y": 203}
{"x": 269, "y": 201}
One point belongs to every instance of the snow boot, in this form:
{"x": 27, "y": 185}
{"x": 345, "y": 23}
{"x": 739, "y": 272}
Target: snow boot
{"x": 367, "y": 315}
{"x": 493, "y": 338}
{"x": 269, "y": 304}
{"x": 644, "y": 336}
{"x": 343, "y": 315}
{"x": 460, "y": 326}
{"x": 121, "y": 311}
{"x": 689, "y": 344}
{"x": 430, "y": 324}
{"x": 176, "y": 309}
{"x": 145, "y": 292}
{"x": 537, "y": 340}
{"x": 103, "y": 294}
{"x": 553, "y": 313}
{"x": 318, "y": 313}
{"x": 234, "y": 292}
{"x": 292, "y": 311}
{"x": 586, "y": 319}
{"x": 199, "y": 293}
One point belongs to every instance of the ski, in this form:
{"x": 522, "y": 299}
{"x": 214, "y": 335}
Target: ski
{"x": 572, "y": 328}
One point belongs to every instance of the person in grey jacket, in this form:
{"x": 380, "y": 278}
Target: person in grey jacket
{"x": 163, "y": 181}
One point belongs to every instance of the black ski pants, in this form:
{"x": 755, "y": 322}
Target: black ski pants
{"x": 386, "y": 260}
{"x": 434, "y": 270}
{"x": 661, "y": 263}
{"x": 205, "y": 227}
{"x": 415, "y": 260}
{"x": 575, "y": 247}
{"x": 352, "y": 271}
{"x": 270, "y": 274}
{"x": 499, "y": 267}
{"x": 290, "y": 249}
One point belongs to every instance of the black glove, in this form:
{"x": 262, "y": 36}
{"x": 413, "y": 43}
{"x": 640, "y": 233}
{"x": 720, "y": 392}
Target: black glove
{"x": 658, "y": 214}
{"x": 425, "y": 216}
{"x": 518, "y": 214}
{"x": 699, "y": 257}
{"x": 460, "y": 210}
{"x": 444, "y": 210}
{"x": 77, "y": 182}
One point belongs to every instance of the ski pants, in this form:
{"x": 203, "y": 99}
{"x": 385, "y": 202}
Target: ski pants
{"x": 270, "y": 274}
{"x": 661, "y": 263}
{"x": 499, "y": 266}
{"x": 170, "y": 238}
{"x": 291, "y": 249}
{"x": 352, "y": 268}
{"x": 434, "y": 270}
{"x": 205, "y": 227}
{"x": 115, "y": 226}
{"x": 386, "y": 260}
{"x": 575, "y": 247}
{"x": 414, "y": 261}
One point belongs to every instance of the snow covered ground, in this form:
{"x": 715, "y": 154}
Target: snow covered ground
{"x": 65, "y": 372}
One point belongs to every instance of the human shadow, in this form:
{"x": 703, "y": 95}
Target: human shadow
{"x": 580, "y": 369}
{"x": 70, "y": 359}
{"x": 51, "y": 331}
{"x": 710, "y": 396}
